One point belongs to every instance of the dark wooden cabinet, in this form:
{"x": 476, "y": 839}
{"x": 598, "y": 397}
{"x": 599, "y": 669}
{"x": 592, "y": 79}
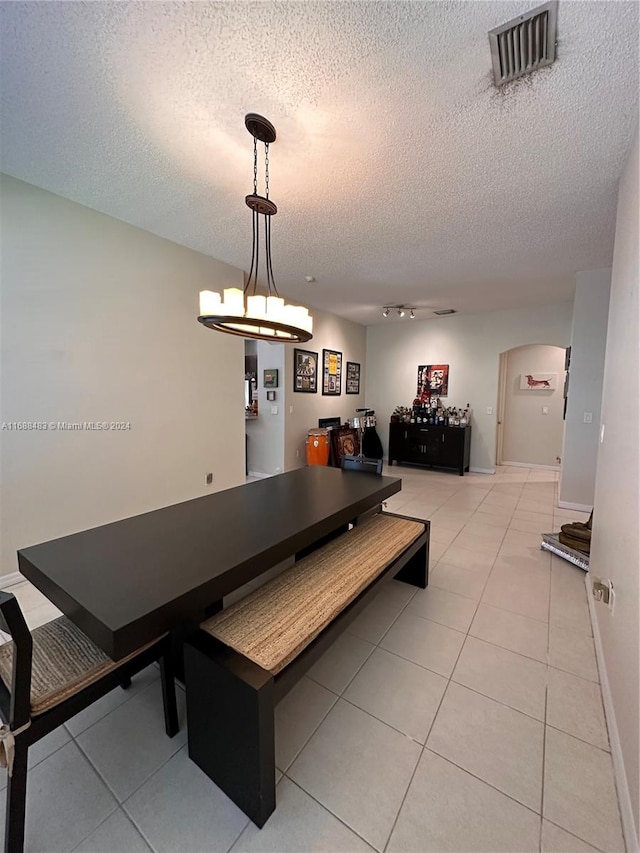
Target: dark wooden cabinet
{"x": 436, "y": 446}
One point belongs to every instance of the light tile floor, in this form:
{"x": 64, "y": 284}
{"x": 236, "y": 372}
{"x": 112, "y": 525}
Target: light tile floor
{"x": 465, "y": 717}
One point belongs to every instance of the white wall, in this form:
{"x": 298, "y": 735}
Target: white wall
{"x": 471, "y": 346}
{"x": 329, "y": 332}
{"x": 588, "y": 342}
{"x": 615, "y": 550}
{"x": 265, "y": 447}
{"x": 99, "y": 324}
{"x": 531, "y": 437}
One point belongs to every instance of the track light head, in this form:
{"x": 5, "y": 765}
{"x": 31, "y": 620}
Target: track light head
{"x": 411, "y": 314}
{"x": 385, "y": 312}
{"x": 400, "y": 311}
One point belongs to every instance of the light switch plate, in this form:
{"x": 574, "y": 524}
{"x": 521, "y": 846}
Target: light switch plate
{"x": 588, "y": 417}
{"x": 545, "y": 410}
{"x": 274, "y": 410}
{"x": 489, "y": 410}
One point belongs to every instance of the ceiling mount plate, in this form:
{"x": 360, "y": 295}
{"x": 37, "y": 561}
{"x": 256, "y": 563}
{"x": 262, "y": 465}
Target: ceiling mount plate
{"x": 260, "y": 127}
{"x": 261, "y": 204}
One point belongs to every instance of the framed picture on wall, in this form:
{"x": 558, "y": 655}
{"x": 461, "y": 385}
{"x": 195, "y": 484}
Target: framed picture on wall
{"x": 538, "y": 381}
{"x": 433, "y": 381}
{"x": 331, "y": 372}
{"x": 305, "y": 371}
{"x": 352, "y": 381}
{"x": 270, "y": 378}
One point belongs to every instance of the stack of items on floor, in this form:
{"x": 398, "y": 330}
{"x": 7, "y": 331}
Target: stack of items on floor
{"x": 577, "y": 535}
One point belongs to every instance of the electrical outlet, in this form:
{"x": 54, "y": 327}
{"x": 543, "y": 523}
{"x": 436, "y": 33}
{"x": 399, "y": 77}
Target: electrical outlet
{"x": 587, "y": 417}
{"x": 274, "y": 410}
{"x": 290, "y": 410}
{"x": 209, "y": 478}
{"x": 602, "y": 590}
{"x": 489, "y": 410}
{"x": 545, "y": 410}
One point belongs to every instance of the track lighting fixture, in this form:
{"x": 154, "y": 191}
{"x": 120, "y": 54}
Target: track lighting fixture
{"x": 399, "y": 309}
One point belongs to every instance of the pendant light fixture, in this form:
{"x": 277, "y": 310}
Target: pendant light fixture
{"x": 248, "y": 313}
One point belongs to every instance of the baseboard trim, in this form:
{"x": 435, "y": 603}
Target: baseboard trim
{"x": 531, "y": 465}
{"x": 473, "y": 470}
{"x": 11, "y": 580}
{"x": 577, "y": 507}
{"x": 260, "y": 474}
{"x": 619, "y": 772}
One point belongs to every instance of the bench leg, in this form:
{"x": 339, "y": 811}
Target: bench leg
{"x": 230, "y": 721}
{"x": 416, "y": 571}
{"x": 169, "y": 702}
{"x": 126, "y": 683}
{"x": 16, "y": 801}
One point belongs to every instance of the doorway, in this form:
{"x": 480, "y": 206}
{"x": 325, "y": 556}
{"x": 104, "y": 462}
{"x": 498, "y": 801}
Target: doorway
{"x": 530, "y": 407}
{"x": 264, "y": 423}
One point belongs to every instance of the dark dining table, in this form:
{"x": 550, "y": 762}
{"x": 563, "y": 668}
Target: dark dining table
{"x": 128, "y": 582}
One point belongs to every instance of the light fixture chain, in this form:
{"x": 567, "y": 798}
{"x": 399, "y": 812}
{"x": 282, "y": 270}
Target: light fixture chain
{"x": 266, "y": 169}
{"x": 255, "y": 166}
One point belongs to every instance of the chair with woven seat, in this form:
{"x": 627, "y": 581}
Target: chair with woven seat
{"x": 46, "y": 677}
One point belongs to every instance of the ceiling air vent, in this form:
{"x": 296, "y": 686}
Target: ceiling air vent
{"x": 524, "y": 44}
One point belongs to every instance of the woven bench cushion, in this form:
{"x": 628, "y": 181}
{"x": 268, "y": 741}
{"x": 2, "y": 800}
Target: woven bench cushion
{"x": 65, "y": 661}
{"x": 272, "y": 625}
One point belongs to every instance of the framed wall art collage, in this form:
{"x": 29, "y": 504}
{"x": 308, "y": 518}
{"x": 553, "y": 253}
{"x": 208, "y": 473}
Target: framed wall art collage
{"x": 305, "y": 373}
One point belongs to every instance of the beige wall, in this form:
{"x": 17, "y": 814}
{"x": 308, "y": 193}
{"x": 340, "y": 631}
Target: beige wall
{"x": 586, "y": 373}
{"x": 471, "y": 346}
{"x": 531, "y": 437}
{"x": 616, "y": 548}
{"x": 98, "y": 324}
{"x": 329, "y": 332}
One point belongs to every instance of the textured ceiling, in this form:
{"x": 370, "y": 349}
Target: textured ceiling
{"x": 401, "y": 173}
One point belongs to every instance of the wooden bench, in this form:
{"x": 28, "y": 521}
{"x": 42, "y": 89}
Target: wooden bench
{"x": 244, "y": 659}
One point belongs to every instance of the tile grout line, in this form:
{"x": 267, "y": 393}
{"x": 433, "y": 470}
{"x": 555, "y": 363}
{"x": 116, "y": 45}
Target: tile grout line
{"x": 106, "y": 783}
{"x": 573, "y": 835}
{"x": 435, "y": 716}
{"x": 126, "y": 816}
{"x": 341, "y": 695}
{"x": 95, "y": 770}
{"x": 315, "y": 729}
{"x": 425, "y": 747}
{"x": 546, "y": 704}
{"x": 327, "y": 809}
